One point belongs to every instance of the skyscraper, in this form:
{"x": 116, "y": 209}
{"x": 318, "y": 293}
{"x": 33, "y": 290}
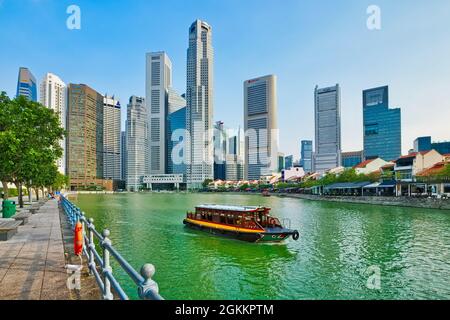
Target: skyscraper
{"x": 199, "y": 104}
{"x": 176, "y": 134}
{"x": 111, "y": 138}
{"x": 327, "y": 102}
{"x": 288, "y": 162}
{"x": 137, "y": 143}
{"x": 261, "y": 127}
{"x": 220, "y": 151}
{"x": 158, "y": 81}
{"x": 306, "y": 155}
{"x": 53, "y": 95}
{"x": 85, "y": 138}
{"x": 26, "y": 84}
{"x": 123, "y": 156}
{"x": 382, "y": 126}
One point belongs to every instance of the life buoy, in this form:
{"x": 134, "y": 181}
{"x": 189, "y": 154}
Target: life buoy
{"x": 295, "y": 235}
{"x": 78, "y": 239}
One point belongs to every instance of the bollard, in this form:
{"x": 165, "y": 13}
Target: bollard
{"x": 107, "y": 270}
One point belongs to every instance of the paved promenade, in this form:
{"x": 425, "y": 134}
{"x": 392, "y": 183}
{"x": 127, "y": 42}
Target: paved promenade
{"x": 32, "y": 261}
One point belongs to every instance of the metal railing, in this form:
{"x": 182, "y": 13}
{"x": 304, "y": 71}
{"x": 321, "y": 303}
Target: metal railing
{"x": 99, "y": 263}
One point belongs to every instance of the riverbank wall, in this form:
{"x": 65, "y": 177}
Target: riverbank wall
{"x": 384, "y": 201}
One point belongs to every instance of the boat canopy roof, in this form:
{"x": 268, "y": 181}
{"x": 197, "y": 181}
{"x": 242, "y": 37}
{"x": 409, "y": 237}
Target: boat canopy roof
{"x": 230, "y": 208}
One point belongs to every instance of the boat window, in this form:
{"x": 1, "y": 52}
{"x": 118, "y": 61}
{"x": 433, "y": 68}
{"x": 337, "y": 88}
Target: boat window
{"x": 222, "y": 219}
{"x": 230, "y": 219}
{"x": 209, "y": 216}
{"x": 203, "y": 216}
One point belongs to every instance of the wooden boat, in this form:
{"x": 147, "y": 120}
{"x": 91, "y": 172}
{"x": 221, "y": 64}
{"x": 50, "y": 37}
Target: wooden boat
{"x": 251, "y": 224}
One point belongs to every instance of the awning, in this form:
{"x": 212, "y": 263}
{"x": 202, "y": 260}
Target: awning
{"x": 387, "y": 184}
{"x": 347, "y": 185}
{"x": 373, "y": 185}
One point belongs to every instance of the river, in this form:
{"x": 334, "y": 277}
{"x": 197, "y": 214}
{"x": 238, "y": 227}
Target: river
{"x": 341, "y": 248}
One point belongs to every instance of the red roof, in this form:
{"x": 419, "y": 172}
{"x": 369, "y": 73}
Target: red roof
{"x": 363, "y": 164}
{"x": 434, "y": 169}
{"x": 387, "y": 166}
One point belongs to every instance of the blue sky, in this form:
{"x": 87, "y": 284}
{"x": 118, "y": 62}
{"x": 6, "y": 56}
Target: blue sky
{"x": 303, "y": 42}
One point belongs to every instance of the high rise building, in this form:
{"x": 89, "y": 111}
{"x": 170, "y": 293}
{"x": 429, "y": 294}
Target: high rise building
{"x": 425, "y": 144}
{"x": 123, "y": 156}
{"x": 261, "y": 127}
{"x": 422, "y": 144}
{"x": 26, "y": 84}
{"x": 85, "y": 136}
{"x": 111, "y": 138}
{"x": 158, "y": 82}
{"x": 289, "y": 162}
{"x": 352, "y": 158}
{"x": 281, "y": 163}
{"x": 327, "y": 102}
{"x": 220, "y": 151}
{"x": 306, "y": 155}
{"x": 53, "y": 95}
{"x": 199, "y": 105}
{"x": 137, "y": 143}
{"x": 382, "y": 126}
{"x": 234, "y": 161}
{"x": 176, "y": 134}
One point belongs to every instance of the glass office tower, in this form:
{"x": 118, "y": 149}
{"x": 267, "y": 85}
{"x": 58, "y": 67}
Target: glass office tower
{"x": 382, "y": 125}
{"x": 26, "y": 84}
{"x": 306, "y": 155}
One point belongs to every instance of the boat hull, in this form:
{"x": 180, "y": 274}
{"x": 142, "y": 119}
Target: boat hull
{"x": 251, "y": 236}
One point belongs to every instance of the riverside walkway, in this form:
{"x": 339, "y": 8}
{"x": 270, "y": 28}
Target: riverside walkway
{"x": 32, "y": 262}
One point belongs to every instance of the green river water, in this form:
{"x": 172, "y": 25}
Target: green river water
{"x": 339, "y": 248}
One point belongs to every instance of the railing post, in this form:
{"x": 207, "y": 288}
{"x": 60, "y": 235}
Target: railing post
{"x": 149, "y": 288}
{"x": 91, "y": 245}
{"x": 83, "y": 223}
{"x": 107, "y": 294}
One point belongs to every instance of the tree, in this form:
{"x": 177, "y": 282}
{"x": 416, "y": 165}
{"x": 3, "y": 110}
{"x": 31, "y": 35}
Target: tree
{"x": 206, "y": 183}
{"x": 29, "y": 143}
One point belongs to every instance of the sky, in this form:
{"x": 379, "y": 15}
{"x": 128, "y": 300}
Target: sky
{"x": 305, "y": 43}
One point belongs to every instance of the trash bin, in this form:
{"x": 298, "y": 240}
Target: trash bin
{"x": 8, "y": 208}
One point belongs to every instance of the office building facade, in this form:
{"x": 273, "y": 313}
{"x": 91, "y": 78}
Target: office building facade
{"x": 352, "y": 158}
{"x": 85, "y": 137}
{"x": 199, "y": 105}
{"x": 220, "y": 151}
{"x": 327, "y": 102}
{"x": 27, "y": 85}
{"x": 306, "y": 155}
{"x": 261, "y": 127}
{"x": 111, "y": 138}
{"x": 382, "y": 126}
{"x": 137, "y": 143}
{"x": 176, "y": 134}
{"x": 288, "y": 162}
{"x": 123, "y": 156}
{"x": 53, "y": 95}
{"x": 158, "y": 82}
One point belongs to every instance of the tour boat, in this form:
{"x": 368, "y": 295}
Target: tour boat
{"x": 251, "y": 224}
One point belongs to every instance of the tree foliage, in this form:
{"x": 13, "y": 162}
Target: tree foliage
{"x": 30, "y": 136}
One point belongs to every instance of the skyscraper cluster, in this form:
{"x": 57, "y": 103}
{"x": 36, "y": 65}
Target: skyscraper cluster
{"x": 170, "y": 140}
